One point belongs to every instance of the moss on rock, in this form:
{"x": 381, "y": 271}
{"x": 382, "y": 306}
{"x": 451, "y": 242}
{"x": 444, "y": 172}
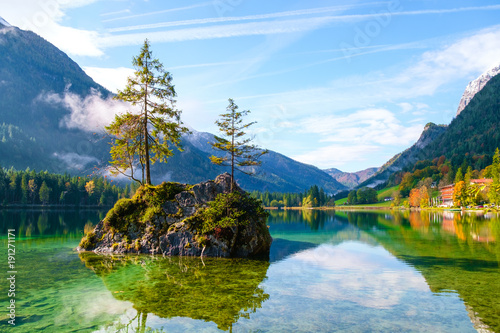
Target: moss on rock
{"x": 142, "y": 207}
{"x": 88, "y": 241}
{"x": 179, "y": 219}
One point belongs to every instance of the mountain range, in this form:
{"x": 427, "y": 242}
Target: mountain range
{"x": 351, "y": 179}
{"x": 472, "y": 136}
{"x": 476, "y": 86}
{"x": 409, "y": 156}
{"x": 52, "y": 113}
{"x": 46, "y": 113}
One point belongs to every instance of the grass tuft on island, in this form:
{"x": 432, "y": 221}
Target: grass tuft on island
{"x": 226, "y": 211}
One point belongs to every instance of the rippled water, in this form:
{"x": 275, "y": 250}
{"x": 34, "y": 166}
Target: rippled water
{"x": 343, "y": 271}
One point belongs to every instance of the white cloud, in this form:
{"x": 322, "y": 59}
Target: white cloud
{"x": 470, "y": 55}
{"x": 406, "y": 107}
{"x": 337, "y": 155}
{"x": 110, "y": 78}
{"x": 355, "y": 137}
{"x": 44, "y": 18}
{"x": 75, "y": 161}
{"x": 71, "y": 40}
{"x": 91, "y": 113}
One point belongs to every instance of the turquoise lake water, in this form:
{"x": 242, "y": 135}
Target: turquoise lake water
{"x": 327, "y": 272}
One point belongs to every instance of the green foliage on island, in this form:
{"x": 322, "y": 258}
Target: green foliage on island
{"x": 88, "y": 241}
{"x": 29, "y": 187}
{"x": 229, "y": 210}
{"x": 146, "y": 203}
{"x": 146, "y": 213}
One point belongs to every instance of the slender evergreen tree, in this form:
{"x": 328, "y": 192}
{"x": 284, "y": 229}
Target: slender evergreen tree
{"x": 494, "y": 191}
{"x": 239, "y": 153}
{"x": 459, "y": 176}
{"x": 146, "y": 135}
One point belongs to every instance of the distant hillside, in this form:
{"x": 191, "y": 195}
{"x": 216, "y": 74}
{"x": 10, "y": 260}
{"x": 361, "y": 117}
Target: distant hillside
{"x": 30, "y": 69}
{"x": 351, "y": 179}
{"x": 471, "y": 137}
{"x": 475, "y": 131}
{"x": 411, "y": 155}
{"x": 40, "y": 89}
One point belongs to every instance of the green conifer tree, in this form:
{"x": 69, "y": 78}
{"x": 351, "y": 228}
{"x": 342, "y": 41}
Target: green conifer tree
{"x": 146, "y": 136}
{"x": 239, "y": 153}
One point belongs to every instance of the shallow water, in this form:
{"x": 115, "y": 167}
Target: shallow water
{"x": 343, "y": 271}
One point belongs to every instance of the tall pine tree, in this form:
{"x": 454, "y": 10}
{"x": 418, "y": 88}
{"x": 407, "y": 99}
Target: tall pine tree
{"x": 143, "y": 137}
{"x": 239, "y": 153}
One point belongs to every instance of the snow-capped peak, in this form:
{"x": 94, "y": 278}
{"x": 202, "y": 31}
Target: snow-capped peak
{"x": 475, "y": 86}
{"x": 4, "y": 23}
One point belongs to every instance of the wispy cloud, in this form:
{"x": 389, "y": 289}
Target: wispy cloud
{"x": 372, "y": 50}
{"x": 259, "y": 28}
{"x": 354, "y": 137}
{"x": 301, "y": 12}
{"x": 91, "y": 113}
{"x": 75, "y": 161}
{"x": 171, "y": 10}
{"x": 92, "y": 43}
{"x": 110, "y": 78}
{"x": 214, "y": 64}
{"x": 338, "y": 155}
{"x": 118, "y": 12}
{"x": 373, "y": 126}
{"x": 469, "y": 55}
{"x": 213, "y": 32}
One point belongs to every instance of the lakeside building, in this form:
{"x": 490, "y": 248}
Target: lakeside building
{"x": 446, "y": 192}
{"x": 446, "y": 195}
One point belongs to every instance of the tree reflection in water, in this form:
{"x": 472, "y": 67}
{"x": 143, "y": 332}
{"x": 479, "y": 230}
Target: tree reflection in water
{"x": 217, "y": 290}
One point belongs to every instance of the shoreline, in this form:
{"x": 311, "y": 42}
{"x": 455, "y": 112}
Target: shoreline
{"x": 414, "y": 209}
{"x": 54, "y": 207}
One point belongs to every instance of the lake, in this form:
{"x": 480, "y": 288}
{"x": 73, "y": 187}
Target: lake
{"x": 328, "y": 271}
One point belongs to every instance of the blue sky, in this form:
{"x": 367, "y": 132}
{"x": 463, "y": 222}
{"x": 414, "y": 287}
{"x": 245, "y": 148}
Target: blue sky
{"x": 343, "y": 84}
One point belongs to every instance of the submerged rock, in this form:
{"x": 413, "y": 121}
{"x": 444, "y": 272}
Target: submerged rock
{"x": 182, "y": 220}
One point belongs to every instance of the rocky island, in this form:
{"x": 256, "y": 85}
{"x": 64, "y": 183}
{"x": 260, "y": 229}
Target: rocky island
{"x": 173, "y": 219}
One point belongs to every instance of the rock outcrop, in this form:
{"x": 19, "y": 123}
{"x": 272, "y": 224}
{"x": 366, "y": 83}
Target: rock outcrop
{"x": 165, "y": 219}
{"x": 476, "y": 86}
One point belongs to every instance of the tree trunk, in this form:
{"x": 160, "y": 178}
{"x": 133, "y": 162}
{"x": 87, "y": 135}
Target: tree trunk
{"x": 146, "y": 138}
{"x": 232, "y": 152}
